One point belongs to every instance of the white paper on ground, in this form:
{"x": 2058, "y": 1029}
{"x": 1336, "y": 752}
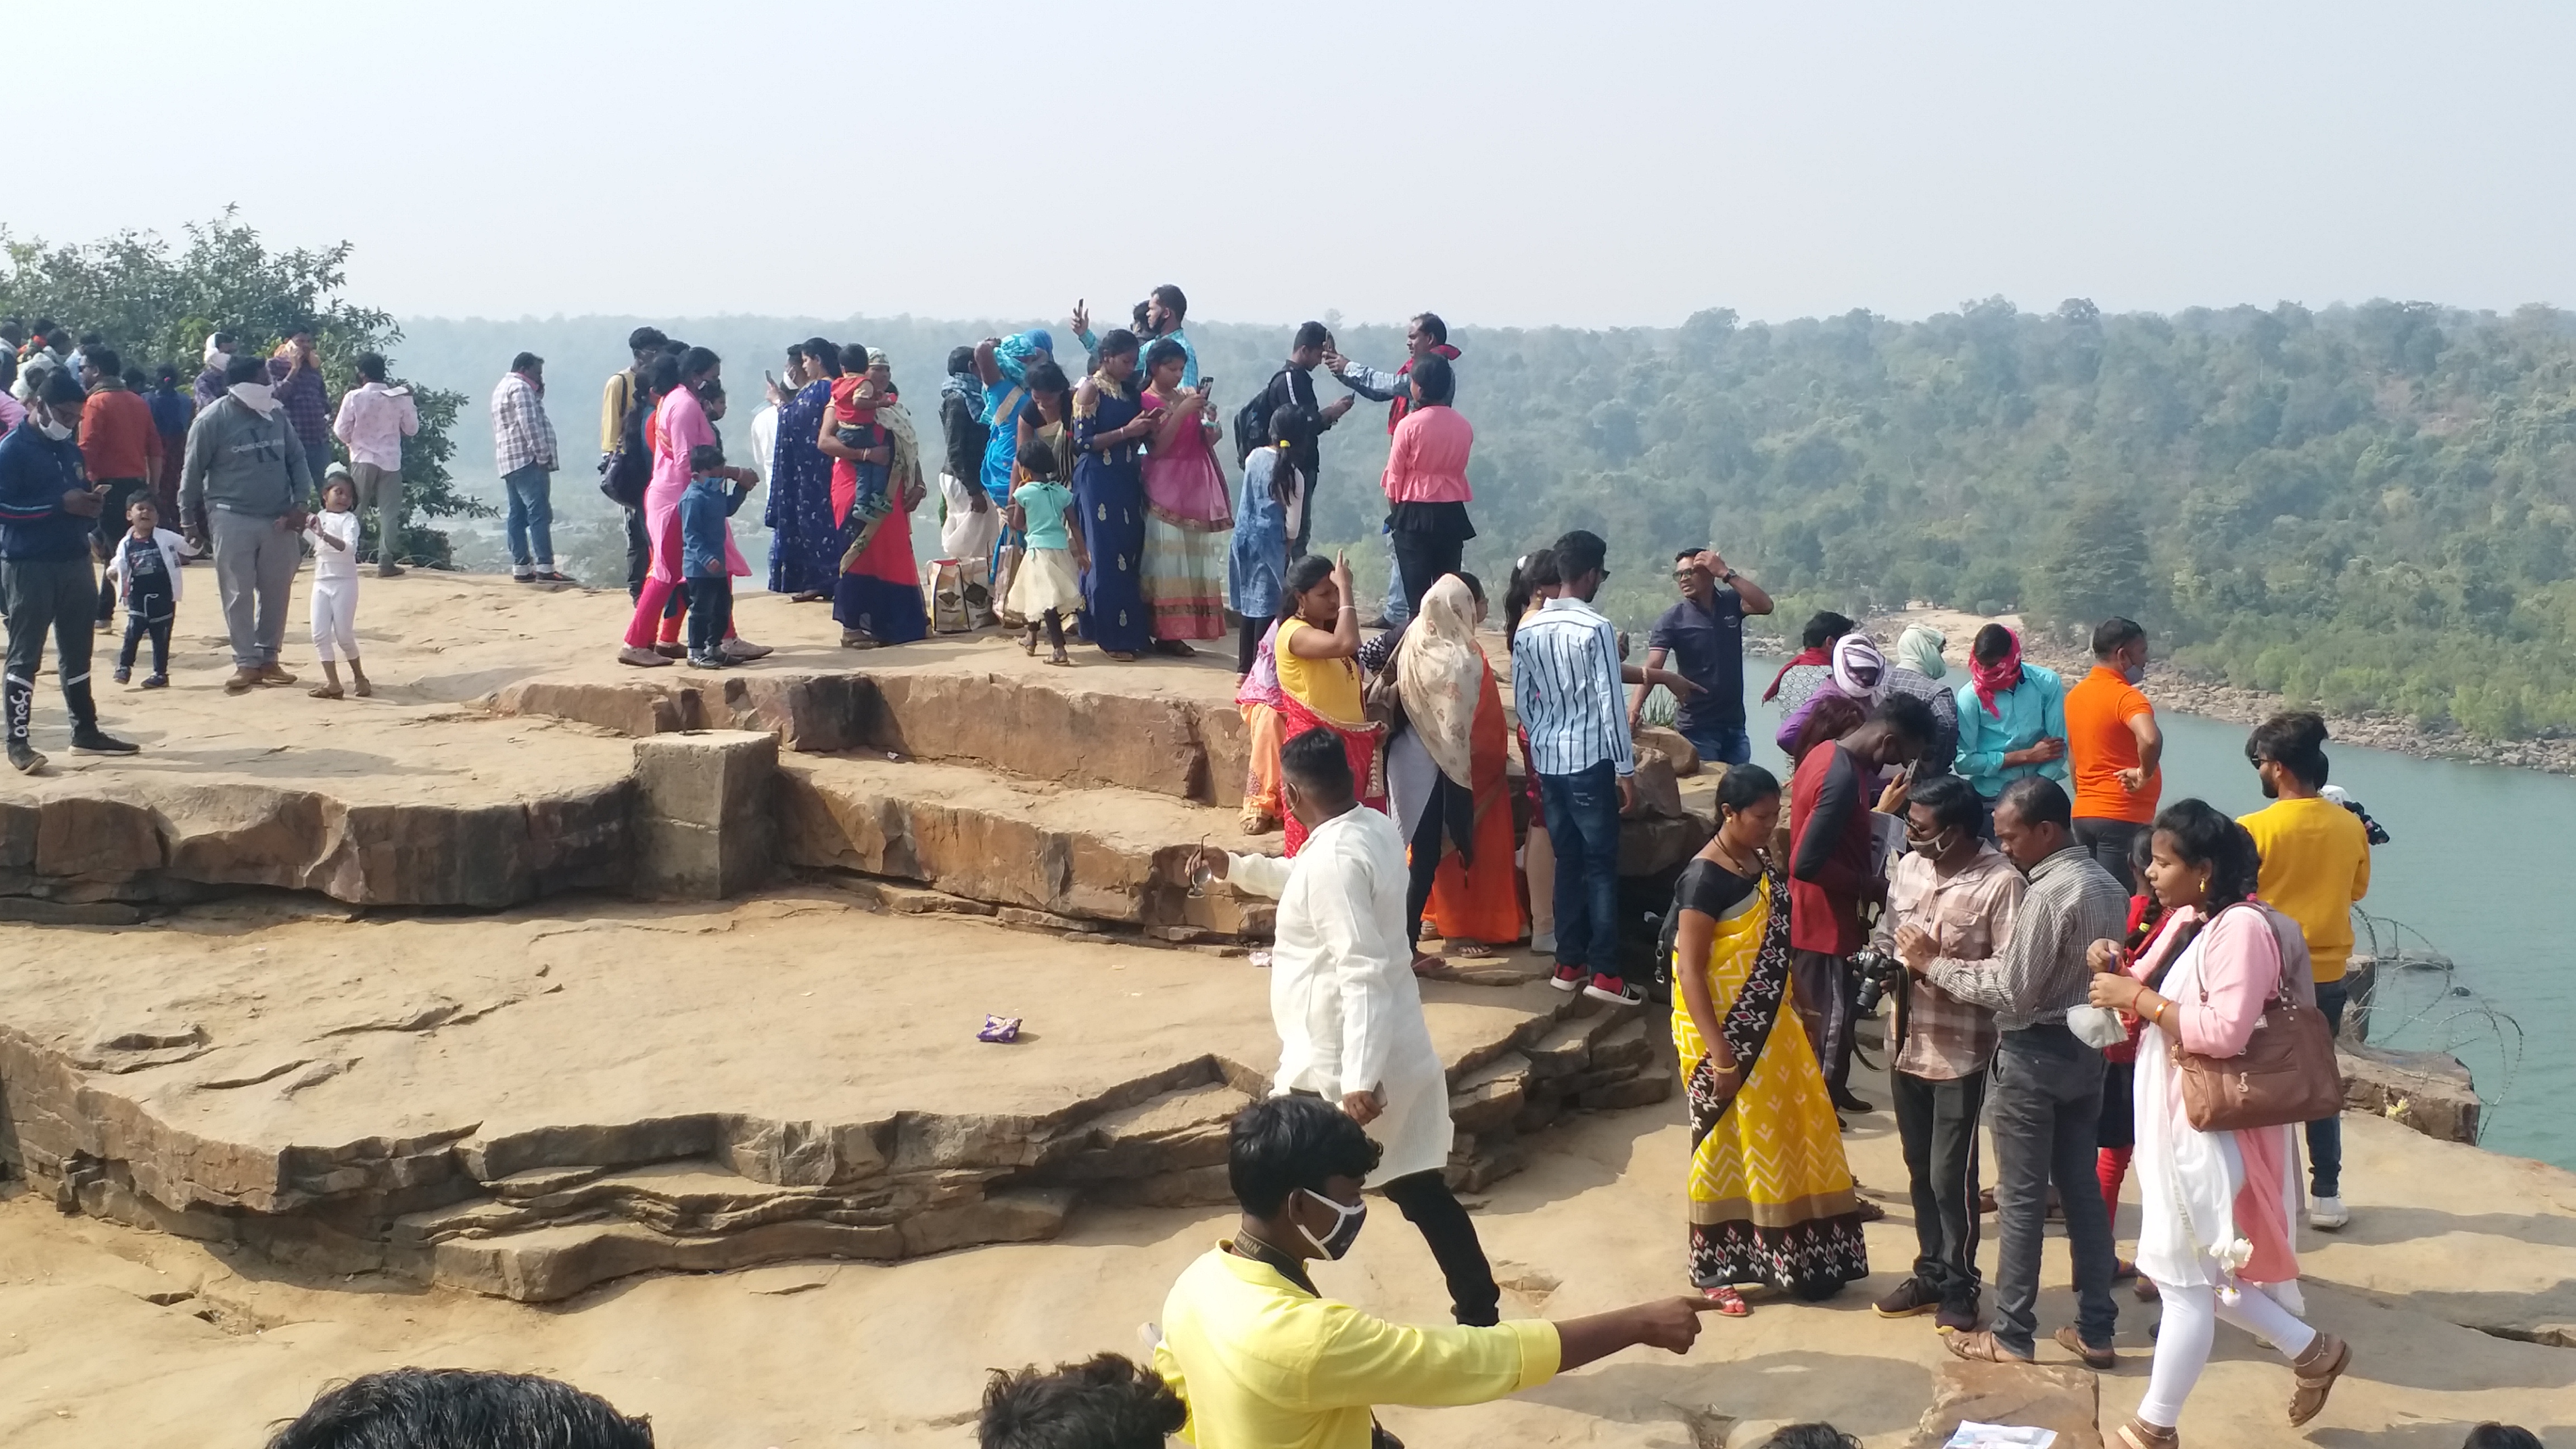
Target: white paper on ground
{"x": 2000, "y": 1436}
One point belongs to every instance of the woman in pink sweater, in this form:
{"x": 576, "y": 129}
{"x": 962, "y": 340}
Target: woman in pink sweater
{"x": 1426, "y": 482}
{"x": 2214, "y": 1207}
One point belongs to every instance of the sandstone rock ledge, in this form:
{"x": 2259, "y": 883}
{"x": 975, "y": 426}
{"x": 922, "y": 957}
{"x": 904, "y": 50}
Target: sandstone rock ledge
{"x": 531, "y": 1103}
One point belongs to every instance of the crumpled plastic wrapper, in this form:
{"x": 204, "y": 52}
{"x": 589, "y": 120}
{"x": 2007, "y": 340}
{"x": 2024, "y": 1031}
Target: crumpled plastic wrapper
{"x": 1000, "y": 1029}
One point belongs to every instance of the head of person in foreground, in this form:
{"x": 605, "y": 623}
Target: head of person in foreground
{"x": 414, "y": 1408}
{"x": 1106, "y": 1402}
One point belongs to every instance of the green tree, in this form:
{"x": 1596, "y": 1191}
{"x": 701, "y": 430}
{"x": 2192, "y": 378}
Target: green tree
{"x": 156, "y": 303}
{"x": 2094, "y": 568}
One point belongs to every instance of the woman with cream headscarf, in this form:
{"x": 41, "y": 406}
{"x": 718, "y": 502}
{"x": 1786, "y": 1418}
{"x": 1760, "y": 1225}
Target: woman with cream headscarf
{"x": 1445, "y": 772}
{"x": 1917, "y": 669}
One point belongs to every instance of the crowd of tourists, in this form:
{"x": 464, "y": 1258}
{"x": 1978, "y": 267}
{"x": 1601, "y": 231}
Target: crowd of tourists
{"x": 2074, "y": 964}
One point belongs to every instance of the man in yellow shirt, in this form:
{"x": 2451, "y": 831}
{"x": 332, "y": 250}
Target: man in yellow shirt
{"x": 2316, "y": 863}
{"x": 1265, "y": 1361}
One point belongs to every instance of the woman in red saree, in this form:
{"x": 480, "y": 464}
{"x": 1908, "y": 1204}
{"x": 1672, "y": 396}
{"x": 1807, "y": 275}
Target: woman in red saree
{"x": 1479, "y": 903}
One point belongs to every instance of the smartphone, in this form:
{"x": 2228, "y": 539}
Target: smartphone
{"x": 765, "y": 377}
{"x": 1207, "y": 385}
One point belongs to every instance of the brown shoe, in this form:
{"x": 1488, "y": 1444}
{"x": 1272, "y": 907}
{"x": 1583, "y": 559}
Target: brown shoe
{"x": 273, "y": 674}
{"x": 1982, "y": 1347}
{"x": 2318, "y": 1368}
{"x": 243, "y": 681}
{"x": 2100, "y": 1360}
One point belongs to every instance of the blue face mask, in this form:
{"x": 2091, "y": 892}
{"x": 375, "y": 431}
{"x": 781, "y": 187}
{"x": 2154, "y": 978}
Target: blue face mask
{"x": 1347, "y": 1222}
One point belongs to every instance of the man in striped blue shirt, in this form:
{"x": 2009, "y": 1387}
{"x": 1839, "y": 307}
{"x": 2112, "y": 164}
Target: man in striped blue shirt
{"x": 1565, "y": 683}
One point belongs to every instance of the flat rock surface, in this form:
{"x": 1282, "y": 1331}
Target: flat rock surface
{"x": 841, "y": 1354}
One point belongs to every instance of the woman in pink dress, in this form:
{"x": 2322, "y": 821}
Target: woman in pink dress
{"x": 678, "y": 425}
{"x": 1188, "y": 516}
{"x": 2214, "y": 1208}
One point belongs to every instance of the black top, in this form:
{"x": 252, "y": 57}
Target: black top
{"x": 966, "y": 437}
{"x": 145, "y": 578}
{"x": 1706, "y": 647}
{"x": 1292, "y": 388}
{"x": 1711, "y": 889}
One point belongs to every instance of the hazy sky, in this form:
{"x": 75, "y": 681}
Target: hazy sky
{"x": 1501, "y": 163}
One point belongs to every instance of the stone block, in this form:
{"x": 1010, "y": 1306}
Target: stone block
{"x": 2063, "y": 1397}
{"x": 1683, "y": 755}
{"x": 705, "y": 813}
{"x": 89, "y": 836}
{"x": 2428, "y": 1091}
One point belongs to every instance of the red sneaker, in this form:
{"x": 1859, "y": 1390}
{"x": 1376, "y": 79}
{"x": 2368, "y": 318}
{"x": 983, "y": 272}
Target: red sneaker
{"x": 1566, "y": 978}
{"x": 1615, "y": 991}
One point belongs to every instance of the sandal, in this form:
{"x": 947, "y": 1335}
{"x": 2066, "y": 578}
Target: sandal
{"x": 2318, "y": 1368}
{"x": 2139, "y": 1434}
{"x": 1256, "y": 822}
{"x": 324, "y": 691}
{"x": 1981, "y": 1347}
{"x": 1730, "y": 1304}
{"x": 2100, "y": 1360}
{"x": 1471, "y": 951}
{"x": 1062, "y": 658}
{"x": 1120, "y": 655}
{"x": 1029, "y": 646}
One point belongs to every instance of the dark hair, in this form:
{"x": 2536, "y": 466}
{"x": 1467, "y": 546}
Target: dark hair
{"x": 1118, "y": 342}
{"x": 1950, "y": 799}
{"x": 1317, "y": 764}
{"x": 1287, "y": 425}
{"x": 697, "y": 360}
{"x": 2295, "y": 741}
{"x": 104, "y": 359}
{"x": 167, "y": 374}
{"x": 245, "y": 369}
{"x": 1475, "y": 585}
{"x": 1578, "y": 553}
{"x": 1908, "y": 716}
{"x": 1172, "y": 300}
{"x": 1993, "y": 642}
{"x": 1432, "y": 326}
{"x": 89, "y": 340}
{"x": 526, "y": 360}
{"x": 2113, "y": 635}
{"x": 2035, "y": 800}
{"x": 705, "y": 456}
{"x": 854, "y": 357}
{"x": 961, "y": 359}
{"x": 664, "y": 375}
{"x": 416, "y": 1408}
{"x": 62, "y": 389}
{"x": 674, "y": 347}
{"x": 1138, "y": 314}
{"x": 1310, "y": 334}
{"x": 2203, "y": 834}
{"x": 46, "y": 327}
{"x": 824, "y": 353}
{"x": 1744, "y": 786}
{"x": 1037, "y": 457}
{"x": 1280, "y": 1144}
{"x": 1434, "y": 380}
{"x": 1810, "y": 1436}
{"x": 795, "y": 353}
{"x": 645, "y": 339}
{"x": 1164, "y": 350}
{"x": 2492, "y": 1435}
{"x": 1823, "y": 627}
{"x": 1105, "y": 1403}
{"x": 1831, "y": 716}
{"x": 135, "y": 378}
{"x": 142, "y": 499}
{"x": 371, "y": 366}
{"x": 1304, "y": 574}
{"x": 1535, "y": 571}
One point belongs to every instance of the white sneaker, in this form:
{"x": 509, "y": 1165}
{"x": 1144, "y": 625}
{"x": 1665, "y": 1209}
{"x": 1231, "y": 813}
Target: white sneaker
{"x": 1542, "y": 943}
{"x": 2326, "y": 1214}
{"x": 641, "y": 658}
{"x": 743, "y": 649}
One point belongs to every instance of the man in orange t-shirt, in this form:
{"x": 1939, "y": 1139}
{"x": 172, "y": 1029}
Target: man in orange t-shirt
{"x": 2114, "y": 747}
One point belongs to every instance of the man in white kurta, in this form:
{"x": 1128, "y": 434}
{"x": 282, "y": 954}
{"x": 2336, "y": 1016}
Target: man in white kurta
{"x": 1349, "y": 1016}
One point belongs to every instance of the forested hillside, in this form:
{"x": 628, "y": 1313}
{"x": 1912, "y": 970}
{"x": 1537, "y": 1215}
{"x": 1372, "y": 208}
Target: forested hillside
{"x": 2372, "y": 507}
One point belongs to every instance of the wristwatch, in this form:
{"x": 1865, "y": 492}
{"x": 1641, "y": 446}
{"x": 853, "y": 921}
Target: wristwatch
{"x": 1727, "y": 577}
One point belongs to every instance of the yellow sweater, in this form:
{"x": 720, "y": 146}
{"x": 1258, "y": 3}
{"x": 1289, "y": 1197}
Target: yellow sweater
{"x": 2316, "y": 863}
{"x": 1264, "y": 1364}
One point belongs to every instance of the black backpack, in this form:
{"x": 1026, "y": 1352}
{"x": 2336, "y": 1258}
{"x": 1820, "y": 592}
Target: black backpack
{"x": 1252, "y": 420}
{"x": 624, "y": 474}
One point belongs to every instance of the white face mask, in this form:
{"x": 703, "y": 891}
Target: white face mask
{"x": 53, "y": 430}
{"x": 257, "y": 396}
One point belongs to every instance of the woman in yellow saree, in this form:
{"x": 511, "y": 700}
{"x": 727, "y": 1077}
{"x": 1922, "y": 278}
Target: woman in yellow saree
{"x": 1771, "y": 1197}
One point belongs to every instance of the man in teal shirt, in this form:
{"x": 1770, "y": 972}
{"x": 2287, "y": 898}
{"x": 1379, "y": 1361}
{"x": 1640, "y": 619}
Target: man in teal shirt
{"x": 2012, "y": 717}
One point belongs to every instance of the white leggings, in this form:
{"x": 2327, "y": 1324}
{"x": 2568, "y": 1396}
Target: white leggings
{"x": 335, "y": 618}
{"x": 2182, "y": 1342}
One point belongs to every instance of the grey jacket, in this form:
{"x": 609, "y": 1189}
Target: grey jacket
{"x": 240, "y": 462}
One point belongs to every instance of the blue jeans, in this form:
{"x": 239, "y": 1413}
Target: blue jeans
{"x": 532, "y": 511}
{"x": 2325, "y": 1135}
{"x": 1583, "y": 825}
{"x": 1398, "y": 608}
{"x": 1719, "y": 744}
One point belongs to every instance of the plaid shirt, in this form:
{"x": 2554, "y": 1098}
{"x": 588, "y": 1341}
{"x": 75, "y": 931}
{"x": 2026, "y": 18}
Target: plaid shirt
{"x": 299, "y": 391}
{"x": 521, "y": 434}
{"x": 1970, "y": 915}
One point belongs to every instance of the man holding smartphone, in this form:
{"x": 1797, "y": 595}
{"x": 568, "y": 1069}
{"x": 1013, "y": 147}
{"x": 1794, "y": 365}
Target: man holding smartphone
{"x": 47, "y": 510}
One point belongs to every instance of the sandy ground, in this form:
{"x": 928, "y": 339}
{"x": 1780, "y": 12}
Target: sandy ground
{"x": 849, "y": 1354}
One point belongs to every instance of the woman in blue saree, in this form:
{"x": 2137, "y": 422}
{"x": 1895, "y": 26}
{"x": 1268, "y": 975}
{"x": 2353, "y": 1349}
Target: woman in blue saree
{"x": 805, "y": 546}
{"x": 1109, "y": 420}
{"x": 1002, "y": 364}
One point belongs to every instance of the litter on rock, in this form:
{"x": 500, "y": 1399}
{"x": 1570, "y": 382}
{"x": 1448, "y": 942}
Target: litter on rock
{"x": 1000, "y": 1028}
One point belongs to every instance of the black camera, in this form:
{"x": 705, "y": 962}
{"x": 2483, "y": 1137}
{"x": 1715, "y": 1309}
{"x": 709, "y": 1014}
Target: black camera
{"x": 1878, "y": 972}
{"x": 2377, "y": 832}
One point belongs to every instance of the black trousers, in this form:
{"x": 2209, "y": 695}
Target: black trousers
{"x": 1426, "y": 1202}
{"x": 156, "y": 626}
{"x": 2109, "y": 842}
{"x": 1937, "y": 1122}
{"x": 639, "y": 552}
{"x": 1247, "y": 641}
{"x": 1824, "y": 987}
{"x": 1422, "y": 557}
{"x": 110, "y": 532}
{"x": 1423, "y": 860}
{"x": 710, "y": 612}
{"x": 48, "y": 595}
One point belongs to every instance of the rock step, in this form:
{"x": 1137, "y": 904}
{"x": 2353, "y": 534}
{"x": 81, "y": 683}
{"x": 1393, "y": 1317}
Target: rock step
{"x": 1081, "y": 854}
